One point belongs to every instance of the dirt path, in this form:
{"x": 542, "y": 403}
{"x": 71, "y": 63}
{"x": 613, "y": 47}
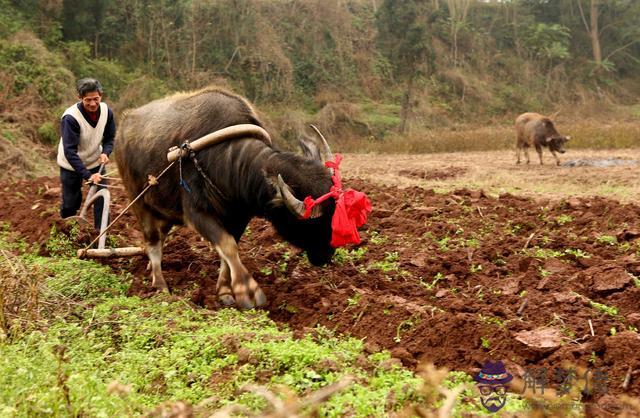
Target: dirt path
{"x": 453, "y": 278}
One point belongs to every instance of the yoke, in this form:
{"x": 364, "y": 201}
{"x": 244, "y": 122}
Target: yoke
{"x": 230, "y": 132}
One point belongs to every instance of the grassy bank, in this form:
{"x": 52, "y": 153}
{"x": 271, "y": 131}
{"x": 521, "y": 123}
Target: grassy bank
{"x": 74, "y": 344}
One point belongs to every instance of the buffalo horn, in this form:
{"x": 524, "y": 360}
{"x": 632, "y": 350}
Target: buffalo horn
{"x": 292, "y": 203}
{"x": 325, "y": 151}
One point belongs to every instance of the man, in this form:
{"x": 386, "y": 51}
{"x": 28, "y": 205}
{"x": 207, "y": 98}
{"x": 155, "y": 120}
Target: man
{"x": 87, "y": 132}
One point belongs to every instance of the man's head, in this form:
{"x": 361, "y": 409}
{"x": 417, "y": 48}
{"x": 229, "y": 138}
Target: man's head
{"x": 90, "y": 93}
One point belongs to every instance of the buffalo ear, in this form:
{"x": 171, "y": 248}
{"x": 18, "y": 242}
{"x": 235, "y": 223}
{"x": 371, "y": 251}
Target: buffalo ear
{"x": 567, "y": 138}
{"x": 309, "y": 148}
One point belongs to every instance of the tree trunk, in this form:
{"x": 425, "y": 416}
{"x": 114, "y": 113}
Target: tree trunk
{"x": 592, "y": 30}
{"x": 595, "y": 34}
{"x": 405, "y": 110}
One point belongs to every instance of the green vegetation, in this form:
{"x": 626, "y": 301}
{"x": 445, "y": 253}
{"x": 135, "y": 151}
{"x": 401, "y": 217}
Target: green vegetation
{"x": 377, "y": 238}
{"x": 84, "y": 348}
{"x": 607, "y": 240}
{"x": 609, "y": 310}
{"x": 343, "y": 255}
{"x": 389, "y": 264}
{"x": 62, "y": 244}
{"x": 485, "y": 343}
{"x": 563, "y": 219}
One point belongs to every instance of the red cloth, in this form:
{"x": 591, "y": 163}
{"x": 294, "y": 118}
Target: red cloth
{"x": 351, "y": 210}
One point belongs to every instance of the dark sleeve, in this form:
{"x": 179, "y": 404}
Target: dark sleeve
{"x": 70, "y": 130}
{"x": 109, "y": 134}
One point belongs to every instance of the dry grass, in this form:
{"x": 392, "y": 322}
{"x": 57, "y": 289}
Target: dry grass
{"x": 20, "y": 301}
{"x": 496, "y": 172}
{"x": 586, "y": 134}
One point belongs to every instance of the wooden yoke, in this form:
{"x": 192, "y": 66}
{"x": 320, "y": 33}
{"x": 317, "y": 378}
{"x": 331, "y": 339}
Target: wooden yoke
{"x": 230, "y": 132}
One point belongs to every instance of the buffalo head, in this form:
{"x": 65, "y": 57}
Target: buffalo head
{"x": 311, "y": 178}
{"x": 557, "y": 142}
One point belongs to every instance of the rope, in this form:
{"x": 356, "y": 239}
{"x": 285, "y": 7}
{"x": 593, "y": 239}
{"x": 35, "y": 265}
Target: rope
{"x": 212, "y": 187}
{"x": 152, "y": 182}
{"x": 217, "y": 194}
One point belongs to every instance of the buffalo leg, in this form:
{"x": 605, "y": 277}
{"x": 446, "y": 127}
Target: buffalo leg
{"x": 526, "y": 153}
{"x": 518, "y": 150}
{"x": 154, "y": 231}
{"x": 556, "y": 157}
{"x": 223, "y": 287}
{"x": 246, "y": 291}
{"x": 539, "y": 151}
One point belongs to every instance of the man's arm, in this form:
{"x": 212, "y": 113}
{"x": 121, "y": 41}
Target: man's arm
{"x": 70, "y": 130}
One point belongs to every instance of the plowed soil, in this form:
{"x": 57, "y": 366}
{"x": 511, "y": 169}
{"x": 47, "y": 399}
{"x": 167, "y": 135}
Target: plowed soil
{"x": 452, "y": 278}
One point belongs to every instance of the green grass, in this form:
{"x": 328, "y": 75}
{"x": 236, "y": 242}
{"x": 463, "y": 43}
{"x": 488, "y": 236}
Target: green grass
{"x": 609, "y": 310}
{"x": 162, "y": 350}
{"x": 101, "y": 353}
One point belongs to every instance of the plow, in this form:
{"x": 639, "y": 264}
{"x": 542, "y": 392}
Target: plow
{"x": 96, "y": 192}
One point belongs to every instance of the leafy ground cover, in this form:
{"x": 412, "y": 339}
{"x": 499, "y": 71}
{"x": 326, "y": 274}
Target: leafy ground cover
{"x": 86, "y": 348}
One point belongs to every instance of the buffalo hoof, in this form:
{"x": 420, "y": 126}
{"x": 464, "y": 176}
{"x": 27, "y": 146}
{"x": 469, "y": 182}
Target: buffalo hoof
{"x": 227, "y": 299}
{"x": 260, "y": 297}
{"x": 162, "y": 289}
{"x": 244, "y": 301}
{"x": 518, "y": 162}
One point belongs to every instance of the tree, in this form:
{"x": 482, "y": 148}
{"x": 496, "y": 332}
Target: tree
{"x": 405, "y": 40}
{"x": 592, "y": 29}
{"x": 458, "y": 10}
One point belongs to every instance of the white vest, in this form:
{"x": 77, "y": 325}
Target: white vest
{"x": 90, "y": 146}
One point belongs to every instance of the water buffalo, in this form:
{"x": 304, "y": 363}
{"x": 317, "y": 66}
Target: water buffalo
{"x": 228, "y": 184}
{"x": 538, "y": 130}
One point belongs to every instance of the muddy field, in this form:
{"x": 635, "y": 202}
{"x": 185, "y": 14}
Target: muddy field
{"x": 452, "y": 277}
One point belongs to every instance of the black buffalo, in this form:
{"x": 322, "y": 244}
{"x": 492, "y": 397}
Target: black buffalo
{"x": 239, "y": 178}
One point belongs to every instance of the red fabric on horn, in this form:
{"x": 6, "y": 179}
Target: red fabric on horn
{"x": 351, "y": 210}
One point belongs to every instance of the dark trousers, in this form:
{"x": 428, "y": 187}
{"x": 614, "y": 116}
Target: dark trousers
{"x": 71, "y": 183}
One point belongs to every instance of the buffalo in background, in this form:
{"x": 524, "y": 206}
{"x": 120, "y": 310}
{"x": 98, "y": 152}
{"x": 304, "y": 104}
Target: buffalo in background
{"x": 539, "y": 131}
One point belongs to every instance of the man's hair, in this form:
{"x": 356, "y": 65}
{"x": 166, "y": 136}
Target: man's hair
{"x": 88, "y": 85}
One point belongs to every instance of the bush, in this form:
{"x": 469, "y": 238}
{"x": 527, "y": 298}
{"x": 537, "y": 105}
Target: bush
{"x": 48, "y": 133}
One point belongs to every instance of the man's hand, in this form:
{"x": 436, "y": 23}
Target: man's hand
{"x": 104, "y": 159}
{"x": 95, "y": 178}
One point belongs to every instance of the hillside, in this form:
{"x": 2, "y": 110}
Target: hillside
{"x": 370, "y": 74}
